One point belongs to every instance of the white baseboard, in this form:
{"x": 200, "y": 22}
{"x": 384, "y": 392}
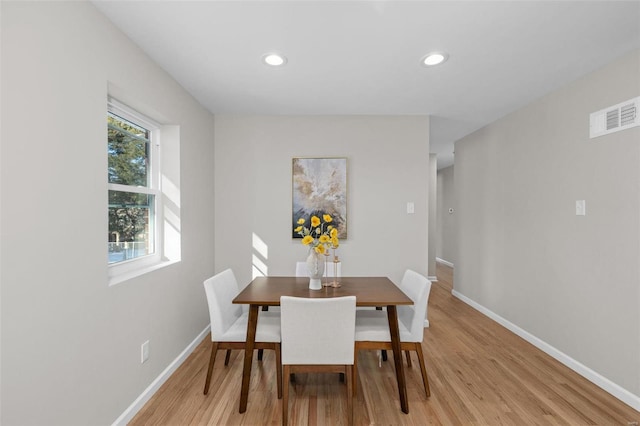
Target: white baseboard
{"x": 444, "y": 262}
{"x": 614, "y": 389}
{"x": 433, "y": 279}
{"x": 137, "y": 405}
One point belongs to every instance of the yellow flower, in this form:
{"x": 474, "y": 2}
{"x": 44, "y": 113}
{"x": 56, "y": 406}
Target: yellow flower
{"x": 315, "y": 221}
{"x": 318, "y": 235}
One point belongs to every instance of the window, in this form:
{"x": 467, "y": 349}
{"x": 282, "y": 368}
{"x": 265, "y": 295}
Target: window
{"x": 133, "y": 189}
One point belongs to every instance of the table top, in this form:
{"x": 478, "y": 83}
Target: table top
{"x": 369, "y": 291}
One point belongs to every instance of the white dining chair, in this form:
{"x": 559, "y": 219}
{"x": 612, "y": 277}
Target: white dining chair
{"x": 301, "y": 270}
{"x": 372, "y": 327}
{"x": 229, "y": 324}
{"x": 318, "y": 336}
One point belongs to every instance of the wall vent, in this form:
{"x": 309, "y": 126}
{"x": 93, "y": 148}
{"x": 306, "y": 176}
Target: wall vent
{"x": 613, "y": 119}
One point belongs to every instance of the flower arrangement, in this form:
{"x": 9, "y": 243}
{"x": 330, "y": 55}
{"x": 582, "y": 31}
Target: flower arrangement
{"x": 320, "y": 235}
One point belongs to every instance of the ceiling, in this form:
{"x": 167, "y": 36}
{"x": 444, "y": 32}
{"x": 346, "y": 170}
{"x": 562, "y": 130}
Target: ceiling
{"x": 363, "y": 57}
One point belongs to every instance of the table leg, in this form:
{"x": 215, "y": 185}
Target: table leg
{"x": 392, "y": 315}
{"x": 248, "y": 356}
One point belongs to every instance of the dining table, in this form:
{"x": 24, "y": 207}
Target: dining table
{"x": 369, "y": 291}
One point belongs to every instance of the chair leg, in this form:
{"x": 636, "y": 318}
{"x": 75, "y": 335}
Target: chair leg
{"x": 408, "y": 355}
{"x": 212, "y": 360}
{"x": 261, "y": 351}
{"x": 384, "y": 355}
{"x": 349, "y": 378}
{"x": 227, "y": 357}
{"x": 423, "y": 369}
{"x": 285, "y": 397}
{"x": 279, "y": 370}
{"x": 354, "y": 373}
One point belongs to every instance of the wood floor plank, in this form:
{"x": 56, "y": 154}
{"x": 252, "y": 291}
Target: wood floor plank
{"x": 479, "y": 372}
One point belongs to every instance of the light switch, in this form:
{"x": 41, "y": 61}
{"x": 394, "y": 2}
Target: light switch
{"x": 581, "y": 208}
{"x": 411, "y": 208}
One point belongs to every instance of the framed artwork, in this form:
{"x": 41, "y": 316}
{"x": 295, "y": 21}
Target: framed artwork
{"x": 320, "y": 187}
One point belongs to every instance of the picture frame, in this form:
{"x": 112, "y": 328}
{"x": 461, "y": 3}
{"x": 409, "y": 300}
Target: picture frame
{"x": 319, "y": 187}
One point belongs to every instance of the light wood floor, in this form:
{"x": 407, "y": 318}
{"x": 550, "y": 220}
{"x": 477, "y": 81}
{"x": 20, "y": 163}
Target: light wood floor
{"x": 480, "y": 373}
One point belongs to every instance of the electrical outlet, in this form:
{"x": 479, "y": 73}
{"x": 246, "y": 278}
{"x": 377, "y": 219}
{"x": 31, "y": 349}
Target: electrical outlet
{"x": 411, "y": 209}
{"x": 144, "y": 352}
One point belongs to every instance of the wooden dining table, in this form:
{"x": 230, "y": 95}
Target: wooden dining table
{"x": 369, "y": 291}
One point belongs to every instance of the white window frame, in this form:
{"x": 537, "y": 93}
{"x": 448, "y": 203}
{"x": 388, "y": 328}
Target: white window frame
{"x": 127, "y": 269}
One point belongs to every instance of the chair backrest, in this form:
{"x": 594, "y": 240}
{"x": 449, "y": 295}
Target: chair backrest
{"x": 318, "y": 331}
{"x": 417, "y": 287}
{"x": 328, "y": 270}
{"x": 244, "y": 307}
{"x": 302, "y": 271}
{"x": 221, "y": 289}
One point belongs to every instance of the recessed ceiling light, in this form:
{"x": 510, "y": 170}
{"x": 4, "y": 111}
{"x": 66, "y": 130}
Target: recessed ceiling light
{"x": 274, "y": 59}
{"x": 434, "y": 58}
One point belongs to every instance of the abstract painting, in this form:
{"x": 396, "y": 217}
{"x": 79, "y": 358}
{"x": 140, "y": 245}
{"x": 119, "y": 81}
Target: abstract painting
{"x": 320, "y": 187}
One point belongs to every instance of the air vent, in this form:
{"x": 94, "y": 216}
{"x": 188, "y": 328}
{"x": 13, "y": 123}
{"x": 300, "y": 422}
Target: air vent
{"x": 613, "y": 119}
{"x": 628, "y": 114}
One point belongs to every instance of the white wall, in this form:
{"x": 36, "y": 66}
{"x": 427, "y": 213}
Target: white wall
{"x": 571, "y": 281}
{"x": 433, "y": 206}
{"x": 70, "y": 343}
{"x": 445, "y": 223}
{"x": 388, "y": 162}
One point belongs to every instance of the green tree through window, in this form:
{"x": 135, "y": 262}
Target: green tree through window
{"x": 131, "y": 199}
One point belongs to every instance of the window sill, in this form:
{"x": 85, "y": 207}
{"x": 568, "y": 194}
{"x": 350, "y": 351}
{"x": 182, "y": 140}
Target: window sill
{"x": 126, "y": 276}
